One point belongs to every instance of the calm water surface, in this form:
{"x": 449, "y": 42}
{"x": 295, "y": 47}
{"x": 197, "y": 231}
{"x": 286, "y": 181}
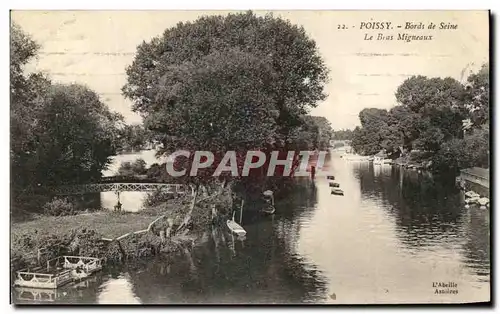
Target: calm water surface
{"x": 387, "y": 240}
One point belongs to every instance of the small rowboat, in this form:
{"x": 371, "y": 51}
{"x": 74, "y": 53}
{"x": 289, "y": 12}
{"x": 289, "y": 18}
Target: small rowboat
{"x": 269, "y": 201}
{"x": 472, "y": 200}
{"x": 472, "y": 194}
{"x": 334, "y": 185}
{"x": 268, "y": 210}
{"x": 235, "y": 227}
{"x": 337, "y": 191}
{"x": 483, "y": 201}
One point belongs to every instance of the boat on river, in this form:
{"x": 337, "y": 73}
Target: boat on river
{"x": 235, "y": 227}
{"x": 483, "y": 201}
{"x": 268, "y": 208}
{"x": 337, "y": 191}
{"x": 333, "y": 184}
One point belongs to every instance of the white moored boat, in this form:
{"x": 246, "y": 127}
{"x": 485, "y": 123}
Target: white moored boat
{"x": 269, "y": 203}
{"x": 355, "y": 157}
{"x": 378, "y": 160}
{"x": 235, "y": 227}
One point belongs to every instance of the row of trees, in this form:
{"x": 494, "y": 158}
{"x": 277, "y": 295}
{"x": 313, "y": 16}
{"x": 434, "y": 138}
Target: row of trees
{"x": 430, "y": 118}
{"x": 343, "y": 135}
{"x": 134, "y": 138}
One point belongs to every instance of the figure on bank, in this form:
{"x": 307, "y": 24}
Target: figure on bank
{"x": 118, "y": 206}
{"x": 313, "y": 172}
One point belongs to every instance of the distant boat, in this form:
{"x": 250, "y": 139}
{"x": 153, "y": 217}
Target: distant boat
{"x": 235, "y": 227}
{"x": 269, "y": 199}
{"x": 269, "y": 210}
{"x": 355, "y": 157}
{"x": 483, "y": 201}
{"x": 472, "y": 200}
{"x": 334, "y": 184}
{"x": 337, "y": 191}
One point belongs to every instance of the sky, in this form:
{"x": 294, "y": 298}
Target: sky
{"x": 95, "y": 47}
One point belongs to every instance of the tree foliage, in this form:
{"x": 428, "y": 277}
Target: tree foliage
{"x": 325, "y": 131}
{"x": 429, "y": 117}
{"x": 378, "y": 132}
{"x": 478, "y": 96}
{"x": 315, "y": 132}
{"x": 134, "y": 138}
{"x": 127, "y": 168}
{"x": 59, "y": 133}
{"x": 236, "y": 82}
{"x": 343, "y": 135}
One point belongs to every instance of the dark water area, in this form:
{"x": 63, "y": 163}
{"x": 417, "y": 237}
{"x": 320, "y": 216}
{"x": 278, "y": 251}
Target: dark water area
{"x": 389, "y": 239}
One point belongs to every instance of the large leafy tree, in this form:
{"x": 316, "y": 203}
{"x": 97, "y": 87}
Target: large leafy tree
{"x": 478, "y": 95}
{"x": 134, "y": 138}
{"x": 364, "y": 142}
{"x": 471, "y": 151}
{"x": 218, "y": 102}
{"x": 325, "y": 131}
{"x": 406, "y": 125}
{"x": 25, "y": 93}
{"x": 234, "y": 82}
{"x": 440, "y": 102}
{"x": 76, "y": 135}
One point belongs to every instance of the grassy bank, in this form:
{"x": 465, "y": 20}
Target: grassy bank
{"x": 87, "y": 234}
{"x": 108, "y": 224}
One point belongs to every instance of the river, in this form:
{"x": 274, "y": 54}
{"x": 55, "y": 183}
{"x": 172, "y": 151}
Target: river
{"x": 387, "y": 240}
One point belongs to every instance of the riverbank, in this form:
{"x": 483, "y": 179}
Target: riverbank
{"x": 33, "y": 242}
{"x": 115, "y": 237}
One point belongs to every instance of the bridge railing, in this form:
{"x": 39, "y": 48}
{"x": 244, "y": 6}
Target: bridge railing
{"x": 118, "y": 187}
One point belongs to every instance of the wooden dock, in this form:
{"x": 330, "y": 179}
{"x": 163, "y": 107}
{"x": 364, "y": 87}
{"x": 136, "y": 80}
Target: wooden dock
{"x": 59, "y": 271}
{"x": 476, "y": 175}
{"x": 38, "y": 278}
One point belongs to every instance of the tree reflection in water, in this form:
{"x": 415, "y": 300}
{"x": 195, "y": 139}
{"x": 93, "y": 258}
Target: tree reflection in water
{"x": 428, "y": 213}
{"x": 264, "y": 268}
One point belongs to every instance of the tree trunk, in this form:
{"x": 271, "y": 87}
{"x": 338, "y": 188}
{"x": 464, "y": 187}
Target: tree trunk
{"x": 187, "y": 218}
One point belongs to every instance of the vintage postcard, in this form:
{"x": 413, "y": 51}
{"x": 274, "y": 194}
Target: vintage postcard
{"x": 250, "y": 157}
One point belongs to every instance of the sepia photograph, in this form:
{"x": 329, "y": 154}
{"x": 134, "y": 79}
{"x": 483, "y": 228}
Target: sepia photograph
{"x": 250, "y": 157}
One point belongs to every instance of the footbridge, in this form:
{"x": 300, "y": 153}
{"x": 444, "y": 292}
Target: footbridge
{"x": 120, "y": 187}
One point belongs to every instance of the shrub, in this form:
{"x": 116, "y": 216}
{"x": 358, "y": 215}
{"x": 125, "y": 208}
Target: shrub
{"x": 157, "y": 197}
{"x": 127, "y": 168}
{"x": 59, "y": 207}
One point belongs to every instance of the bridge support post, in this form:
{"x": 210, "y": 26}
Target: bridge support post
{"x": 118, "y": 206}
